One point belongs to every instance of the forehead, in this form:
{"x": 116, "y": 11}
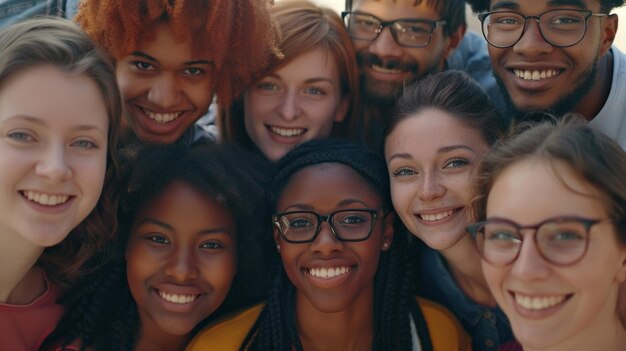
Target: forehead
{"x": 394, "y": 9}
{"x": 539, "y": 5}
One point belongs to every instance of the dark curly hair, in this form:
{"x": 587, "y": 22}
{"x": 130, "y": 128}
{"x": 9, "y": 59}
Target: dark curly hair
{"x": 394, "y": 303}
{"x": 101, "y": 312}
{"x": 606, "y": 6}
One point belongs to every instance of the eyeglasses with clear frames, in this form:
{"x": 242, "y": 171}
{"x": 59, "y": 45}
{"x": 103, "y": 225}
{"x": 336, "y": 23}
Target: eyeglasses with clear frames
{"x": 346, "y": 225}
{"x": 560, "y": 27}
{"x": 409, "y": 32}
{"x": 562, "y": 241}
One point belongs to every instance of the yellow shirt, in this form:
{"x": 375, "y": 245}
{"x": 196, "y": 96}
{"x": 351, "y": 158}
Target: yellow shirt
{"x": 446, "y": 333}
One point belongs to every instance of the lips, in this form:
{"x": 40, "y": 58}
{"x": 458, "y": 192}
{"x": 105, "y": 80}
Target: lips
{"x": 537, "y": 303}
{"x": 535, "y": 75}
{"x": 162, "y": 117}
{"x": 287, "y": 132}
{"x": 330, "y": 272}
{"x": 177, "y": 298}
{"x": 45, "y": 199}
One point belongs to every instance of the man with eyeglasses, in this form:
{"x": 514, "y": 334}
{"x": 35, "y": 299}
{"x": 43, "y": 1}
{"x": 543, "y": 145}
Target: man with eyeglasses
{"x": 399, "y": 40}
{"x": 558, "y": 57}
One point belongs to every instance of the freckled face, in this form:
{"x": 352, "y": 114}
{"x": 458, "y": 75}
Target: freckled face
{"x": 297, "y": 102}
{"x": 181, "y": 259}
{"x": 323, "y": 189}
{"x": 431, "y": 157}
{"x": 166, "y": 88}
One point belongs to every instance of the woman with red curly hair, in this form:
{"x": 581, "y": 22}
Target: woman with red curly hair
{"x": 172, "y": 56}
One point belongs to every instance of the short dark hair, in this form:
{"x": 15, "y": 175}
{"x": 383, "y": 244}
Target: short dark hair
{"x": 452, "y": 11}
{"x": 606, "y": 6}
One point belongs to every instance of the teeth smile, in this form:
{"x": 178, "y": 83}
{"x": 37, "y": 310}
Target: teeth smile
{"x": 381, "y": 69}
{"x": 538, "y": 303}
{"x": 535, "y": 75}
{"x": 328, "y": 272}
{"x": 287, "y": 132}
{"x": 162, "y": 117}
{"x": 45, "y": 199}
{"x": 177, "y": 298}
{"x": 436, "y": 216}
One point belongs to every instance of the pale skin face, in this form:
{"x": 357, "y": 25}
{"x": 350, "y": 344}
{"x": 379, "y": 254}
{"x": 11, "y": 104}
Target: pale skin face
{"x": 181, "y": 260}
{"x": 53, "y": 147}
{"x": 552, "y": 307}
{"x": 297, "y": 102}
{"x": 389, "y": 64}
{"x": 165, "y": 87}
{"x": 560, "y": 72}
{"x": 431, "y": 157}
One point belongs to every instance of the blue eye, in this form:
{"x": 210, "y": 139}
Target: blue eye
{"x": 21, "y": 136}
{"x": 404, "y": 171}
{"x": 315, "y": 91}
{"x": 86, "y": 144}
{"x": 457, "y": 162}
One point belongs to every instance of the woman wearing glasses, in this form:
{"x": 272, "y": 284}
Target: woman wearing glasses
{"x": 443, "y": 126}
{"x": 344, "y": 282}
{"x": 311, "y": 92}
{"x": 554, "y": 239}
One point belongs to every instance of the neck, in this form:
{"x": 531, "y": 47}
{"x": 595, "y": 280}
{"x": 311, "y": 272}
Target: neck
{"x": 349, "y": 329}
{"x": 20, "y": 281}
{"x": 591, "y": 104}
{"x": 465, "y": 266}
{"x": 151, "y": 339}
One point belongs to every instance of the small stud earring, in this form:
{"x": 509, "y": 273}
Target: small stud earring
{"x": 385, "y": 246}
{"x": 278, "y": 248}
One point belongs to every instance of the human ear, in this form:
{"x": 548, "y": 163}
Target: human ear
{"x": 342, "y": 109}
{"x": 609, "y": 31}
{"x": 388, "y": 231}
{"x": 454, "y": 40}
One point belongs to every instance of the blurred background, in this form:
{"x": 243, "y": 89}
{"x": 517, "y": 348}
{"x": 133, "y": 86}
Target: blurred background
{"x": 620, "y": 41}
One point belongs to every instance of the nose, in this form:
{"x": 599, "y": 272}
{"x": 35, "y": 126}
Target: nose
{"x": 165, "y": 91}
{"x": 288, "y": 107}
{"x": 532, "y": 42}
{"x": 54, "y": 164}
{"x": 326, "y": 243}
{"x": 529, "y": 265}
{"x": 181, "y": 265}
{"x": 385, "y": 45}
{"x": 430, "y": 187}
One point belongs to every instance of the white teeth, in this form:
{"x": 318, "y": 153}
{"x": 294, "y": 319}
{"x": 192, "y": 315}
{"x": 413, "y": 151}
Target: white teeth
{"x": 538, "y": 303}
{"x": 163, "y": 117}
{"x": 436, "y": 216}
{"x": 287, "y": 132}
{"x": 45, "y": 199}
{"x": 177, "y": 298}
{"x": 385, "y": 70}
{"x": 328, "y": 272}
{"x": 535, "y": 75}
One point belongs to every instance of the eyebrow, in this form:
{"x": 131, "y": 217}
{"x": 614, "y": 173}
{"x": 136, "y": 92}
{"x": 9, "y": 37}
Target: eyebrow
{"x": 170, "y": 228}
{"x": 515, "y": 5}
{"x": 38, "y": 121}
{"x": 307, "y": 81}
{"x": 443, "y": 150}
{"x": 187, "y": 63}
{"x": 306, "y": 207}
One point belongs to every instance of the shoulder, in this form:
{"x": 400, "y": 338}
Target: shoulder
{"x": 446, "y": 333}
{"x": 227, "y": 333}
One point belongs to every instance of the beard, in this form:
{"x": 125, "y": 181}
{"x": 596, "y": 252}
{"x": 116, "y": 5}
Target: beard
{"x": 380, "y": 91}
{"x": 566, "y": 103}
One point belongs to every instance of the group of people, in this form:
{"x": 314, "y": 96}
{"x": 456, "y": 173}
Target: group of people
{"x": 251, "y": 175}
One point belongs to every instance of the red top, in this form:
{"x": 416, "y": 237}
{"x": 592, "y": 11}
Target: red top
{"x": 25, "y": 327}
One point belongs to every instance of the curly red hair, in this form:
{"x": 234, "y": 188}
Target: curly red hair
{"x": 238, "y": 36}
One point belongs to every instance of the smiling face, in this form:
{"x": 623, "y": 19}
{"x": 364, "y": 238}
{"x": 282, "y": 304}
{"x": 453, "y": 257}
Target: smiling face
{"x": 431, "y": 157}
{"x": 384, "y": 65}
{"x": 547, "y": 305}
{"x": 181, "y": 259}
{"x": 329, "y": 274}
{"x": 52, "y": 153}
{"x": 539, "y": 76}
{"x": 297, "y": 102}
{"x": 166, "y": 88}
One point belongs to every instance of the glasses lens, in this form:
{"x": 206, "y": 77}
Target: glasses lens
{"x": 498, "y": 242}
{"x": 563, "y": 27}
{"x": 562, "y": 242}
{"x": 411, "y": 33}
{"x": 298, "y": 226}
{"x": 503, "y": 29}
{"x": 352, "y": 225}
{"x": 362, "y": 26}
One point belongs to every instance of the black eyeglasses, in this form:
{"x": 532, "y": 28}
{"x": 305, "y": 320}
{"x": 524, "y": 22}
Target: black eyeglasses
{"x": 410, "y": 32}
{"x": 561, "y": 27}
{"x": 346, "y": 225}
{"x": 562, "y": 241}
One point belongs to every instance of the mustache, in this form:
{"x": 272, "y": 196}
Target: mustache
{"x": 365, "y": 58}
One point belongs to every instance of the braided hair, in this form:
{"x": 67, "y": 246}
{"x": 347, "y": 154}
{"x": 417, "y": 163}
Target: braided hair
{"x": 394, "y": 303}
{"x": 101, "y": 312}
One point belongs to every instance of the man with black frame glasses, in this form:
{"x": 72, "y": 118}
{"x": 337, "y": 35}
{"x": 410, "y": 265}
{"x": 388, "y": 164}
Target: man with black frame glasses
{"x": 558, "y": 57}
{"x": 400, "y": 40}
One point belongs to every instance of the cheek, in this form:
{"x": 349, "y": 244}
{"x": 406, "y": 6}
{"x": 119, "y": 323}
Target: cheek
{"x": 201, "y": 95}
{"x": 495, "y": 277}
